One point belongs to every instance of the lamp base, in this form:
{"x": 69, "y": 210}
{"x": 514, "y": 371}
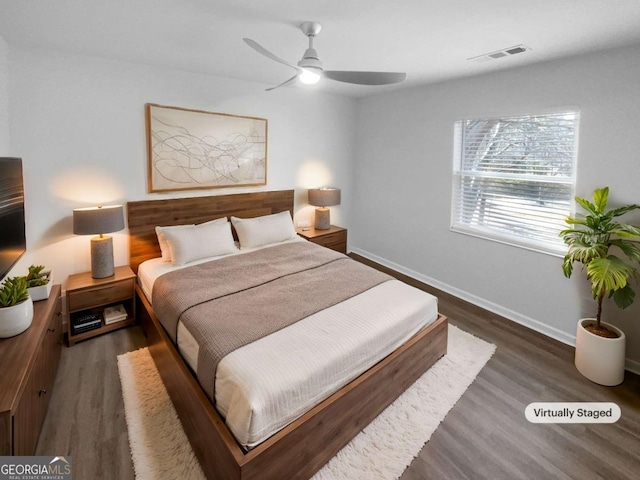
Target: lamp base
{"x": 102, "y": 257}
{"x": 323, "y": 219}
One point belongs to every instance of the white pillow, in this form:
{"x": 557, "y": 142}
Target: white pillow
{"x": 164, "y": 246}
{"x": 200, "y": 241}
{"x": 255, "y": 232}
{"x": 162, "y": 240}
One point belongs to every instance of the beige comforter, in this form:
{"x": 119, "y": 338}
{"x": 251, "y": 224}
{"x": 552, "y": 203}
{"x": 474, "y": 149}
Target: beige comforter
{"x": 234, "y": 301}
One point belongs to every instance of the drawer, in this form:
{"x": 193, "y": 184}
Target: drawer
{"x": 101, "y": 295}
{"x": 331, "y": 239}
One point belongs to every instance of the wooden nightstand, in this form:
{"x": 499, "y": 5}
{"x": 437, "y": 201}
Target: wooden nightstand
{"x": 335, "y": 238}
{"x": 87, "y": 295}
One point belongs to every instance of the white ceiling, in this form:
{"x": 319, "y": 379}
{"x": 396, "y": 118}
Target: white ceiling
{"x": 431, "y": 40}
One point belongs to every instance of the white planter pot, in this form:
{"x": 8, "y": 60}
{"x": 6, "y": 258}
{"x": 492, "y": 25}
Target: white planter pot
{"x": 15, "y": 319}
{"x": 40, "y": 293}
{"x": 600, "y": 359}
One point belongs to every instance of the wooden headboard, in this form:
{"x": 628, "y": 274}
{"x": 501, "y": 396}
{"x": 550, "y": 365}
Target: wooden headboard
{"x": 143, "y": 216}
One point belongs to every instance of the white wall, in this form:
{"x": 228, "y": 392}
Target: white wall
{"x": 403, "y": 189}
{"x": 4, "y": 98}
{"x": 78, "y": 123}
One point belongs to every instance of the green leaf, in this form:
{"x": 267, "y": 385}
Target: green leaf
{"x": 571, "y": 236}
{"x": 567, "y": 266}
{"x": 571, "y": 232}
{"x": 586, "y": 238}
{"x": 600, "y": 197}
{"x": 631, "y": 250}
{"x": 627, "y": 231}
{"x": 608, "y": 274}
{"x": 624, "y": 296}
{"x": 616, "y": 212}
{"x": 594, "y": 222}
{"x": 13, "y": 291}
{"x": 574, "y": 221}
{"x": 584, "y": 252}
{"x": 587, "y": 205}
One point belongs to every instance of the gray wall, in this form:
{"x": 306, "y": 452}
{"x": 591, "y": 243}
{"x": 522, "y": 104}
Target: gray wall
{"x": 404, "y": 173}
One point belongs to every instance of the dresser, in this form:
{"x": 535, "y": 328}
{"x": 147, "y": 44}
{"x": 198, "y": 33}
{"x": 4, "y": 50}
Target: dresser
{"x": 29, "y": 366}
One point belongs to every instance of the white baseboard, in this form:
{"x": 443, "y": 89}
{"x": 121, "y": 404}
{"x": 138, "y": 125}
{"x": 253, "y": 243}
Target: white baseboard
{"x": 632, "y": 366}
{"x": 509, "y": 314}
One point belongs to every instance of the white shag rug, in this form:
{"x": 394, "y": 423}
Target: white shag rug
{"x": 382, "y": 451}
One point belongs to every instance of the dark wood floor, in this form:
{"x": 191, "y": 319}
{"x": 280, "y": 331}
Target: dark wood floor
{"x": 86, "y": 413}
{"x": 485, "y": 436}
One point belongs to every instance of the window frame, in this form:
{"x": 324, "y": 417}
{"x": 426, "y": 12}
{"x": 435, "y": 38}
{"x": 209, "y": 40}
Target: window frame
{"x": 532, "y": 243}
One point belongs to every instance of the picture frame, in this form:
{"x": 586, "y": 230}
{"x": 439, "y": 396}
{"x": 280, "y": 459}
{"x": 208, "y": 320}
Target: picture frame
{"x": 195, "y": 149}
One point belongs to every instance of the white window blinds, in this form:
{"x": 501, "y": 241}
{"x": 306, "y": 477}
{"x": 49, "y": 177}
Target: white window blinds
{"x": 513, "y": 178}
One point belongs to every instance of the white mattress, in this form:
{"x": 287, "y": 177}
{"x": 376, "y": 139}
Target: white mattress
{"x": 262, "y": 387}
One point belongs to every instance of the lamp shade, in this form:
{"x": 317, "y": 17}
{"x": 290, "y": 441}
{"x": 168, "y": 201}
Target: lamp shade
{"x": 95, "y": 220}
{"x": 324, "y": 197}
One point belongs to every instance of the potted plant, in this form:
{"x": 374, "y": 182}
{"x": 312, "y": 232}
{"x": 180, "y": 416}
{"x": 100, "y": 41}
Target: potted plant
{"x": 39, "y": 282}
{"x": 596, "y": 241}
{"x": 16, "y": 307}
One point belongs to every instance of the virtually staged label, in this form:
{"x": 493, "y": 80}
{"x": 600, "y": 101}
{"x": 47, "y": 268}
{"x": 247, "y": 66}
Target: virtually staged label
{"x": 572, "y": 412}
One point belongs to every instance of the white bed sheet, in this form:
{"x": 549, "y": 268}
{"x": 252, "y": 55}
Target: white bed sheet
{"x": 262, "y": 387}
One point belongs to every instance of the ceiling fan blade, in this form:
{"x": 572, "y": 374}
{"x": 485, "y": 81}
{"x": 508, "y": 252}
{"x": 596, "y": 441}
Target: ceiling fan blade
{"x": 260, "y": 49}
{"x": 365, "y": 78}
{"x": 286, "y": 82}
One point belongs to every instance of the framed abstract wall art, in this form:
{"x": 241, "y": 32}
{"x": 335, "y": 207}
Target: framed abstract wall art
{"x": 194, "y": 149}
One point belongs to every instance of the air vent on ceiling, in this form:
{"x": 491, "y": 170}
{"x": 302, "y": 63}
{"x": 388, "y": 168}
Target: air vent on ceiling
{"x": 500, "y": 53}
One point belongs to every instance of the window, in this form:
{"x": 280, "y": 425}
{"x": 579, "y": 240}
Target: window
{"x": 513, "y": 178}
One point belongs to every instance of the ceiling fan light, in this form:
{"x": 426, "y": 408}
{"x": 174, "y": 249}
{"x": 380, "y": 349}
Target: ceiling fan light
{"x": 309, "y": 77}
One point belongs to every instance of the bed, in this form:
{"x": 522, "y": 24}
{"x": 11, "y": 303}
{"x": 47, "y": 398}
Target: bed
{"x": 300, "y": 445}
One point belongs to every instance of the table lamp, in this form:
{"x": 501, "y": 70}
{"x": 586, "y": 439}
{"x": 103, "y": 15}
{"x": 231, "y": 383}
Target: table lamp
{"x": 323, "y": 198}
{"x": 99, "y": 220}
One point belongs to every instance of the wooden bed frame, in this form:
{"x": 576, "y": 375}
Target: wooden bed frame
{"x": 303, "y": 447}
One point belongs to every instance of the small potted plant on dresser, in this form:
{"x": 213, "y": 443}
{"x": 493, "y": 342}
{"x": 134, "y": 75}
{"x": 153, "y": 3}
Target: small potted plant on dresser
{"x": 594, "y": 241}
{"x": 16, "y": 307}
{"x": 39, "y": 282}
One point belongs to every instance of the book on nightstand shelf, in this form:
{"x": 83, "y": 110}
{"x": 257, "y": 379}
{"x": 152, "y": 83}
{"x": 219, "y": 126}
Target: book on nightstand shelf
{"x": 115, "y": 313}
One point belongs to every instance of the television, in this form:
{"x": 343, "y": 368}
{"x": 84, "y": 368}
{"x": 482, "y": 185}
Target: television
{"x": 13, "y": 242}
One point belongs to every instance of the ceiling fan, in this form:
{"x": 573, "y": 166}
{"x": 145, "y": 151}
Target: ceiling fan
{"x": 310, "y": 69}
